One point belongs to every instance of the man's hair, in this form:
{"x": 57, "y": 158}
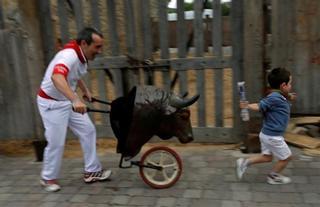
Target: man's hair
{"x": 86, "y": 34}
{"x": 278, "y": 76}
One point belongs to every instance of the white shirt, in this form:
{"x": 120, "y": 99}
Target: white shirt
{"x": 69, "y": 63}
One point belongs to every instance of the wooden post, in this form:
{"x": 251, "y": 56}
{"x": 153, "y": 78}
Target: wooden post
{"x": 47, "y": 29}
{"x": 198, "y": 42}
{"x": 114, "y": 44}
{"x": 1, "y": 16}
{"x": 237, "y": 64}
{"x": 253, "y": 57}
{"x": 217, "y": 51}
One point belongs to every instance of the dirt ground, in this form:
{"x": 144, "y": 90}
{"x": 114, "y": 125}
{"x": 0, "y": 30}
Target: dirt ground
{"x": 24, "y": 148}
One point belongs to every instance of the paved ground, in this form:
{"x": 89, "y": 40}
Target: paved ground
{"x": 208, "y": 180}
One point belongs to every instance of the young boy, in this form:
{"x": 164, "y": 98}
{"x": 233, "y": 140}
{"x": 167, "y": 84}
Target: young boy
{"x": 276, "y": 113}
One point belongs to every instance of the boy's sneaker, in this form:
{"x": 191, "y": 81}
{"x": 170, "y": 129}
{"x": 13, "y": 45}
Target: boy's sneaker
{"x": 240, "y": 168}
{"x": 97, "y": 176}
{"x": 50, "y": 185}
{"x": 278, "y": 179}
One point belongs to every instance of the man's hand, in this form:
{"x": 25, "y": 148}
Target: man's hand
{"x": 78, "y": 106}
{"x": 87, "y": 96}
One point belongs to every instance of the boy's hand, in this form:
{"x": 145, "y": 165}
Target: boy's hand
{"x": 244, "y": 104}
{"x": 292, "y": 96}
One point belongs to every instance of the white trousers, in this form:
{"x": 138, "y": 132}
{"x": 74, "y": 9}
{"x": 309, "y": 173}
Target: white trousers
{"x": 57, "y": 116}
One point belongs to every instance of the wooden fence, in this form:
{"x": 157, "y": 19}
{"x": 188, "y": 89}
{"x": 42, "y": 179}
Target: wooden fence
{"x": 127, "y": 27}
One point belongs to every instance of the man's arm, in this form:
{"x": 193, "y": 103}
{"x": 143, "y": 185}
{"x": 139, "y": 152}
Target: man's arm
{"x": 82, "y": 85}
{"x": 61, "y": 84}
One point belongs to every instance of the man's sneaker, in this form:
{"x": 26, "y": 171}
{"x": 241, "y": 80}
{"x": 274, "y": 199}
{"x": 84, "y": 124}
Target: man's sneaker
{"x": 97, "y": 176}
{"x": 50, "y": 185}
{"x": 278, "y": 179}
{"x": 240, "y": 168}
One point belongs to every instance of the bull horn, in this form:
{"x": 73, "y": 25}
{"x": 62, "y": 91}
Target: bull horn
{"x": 178, "y": 102}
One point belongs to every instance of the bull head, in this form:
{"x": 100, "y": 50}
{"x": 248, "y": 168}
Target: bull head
{"x": 176, "y": 124}
{"x": 149, "y": 111}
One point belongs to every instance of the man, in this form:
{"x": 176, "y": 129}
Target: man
{"x": 60, "y": 108}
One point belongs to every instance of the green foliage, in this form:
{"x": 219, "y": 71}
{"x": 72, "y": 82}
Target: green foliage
{"x": 225, "y": 9}
{"x": 188, "y": 6}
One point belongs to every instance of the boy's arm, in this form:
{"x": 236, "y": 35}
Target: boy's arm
{"x": 252, "y": 106}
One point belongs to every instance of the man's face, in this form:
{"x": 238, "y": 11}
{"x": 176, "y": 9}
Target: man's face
{"x": 90, "y": 51}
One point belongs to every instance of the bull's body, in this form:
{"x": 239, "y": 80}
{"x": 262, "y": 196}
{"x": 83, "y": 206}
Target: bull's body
{"x": 146, "y": 112}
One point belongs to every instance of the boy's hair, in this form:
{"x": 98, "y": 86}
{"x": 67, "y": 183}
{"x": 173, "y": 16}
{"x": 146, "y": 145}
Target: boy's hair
{"x": 278, "y": 76}
{"x": 86, "y": 34}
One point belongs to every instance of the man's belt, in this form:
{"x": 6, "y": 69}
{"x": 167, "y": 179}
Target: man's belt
{"x": 43, "y": 94}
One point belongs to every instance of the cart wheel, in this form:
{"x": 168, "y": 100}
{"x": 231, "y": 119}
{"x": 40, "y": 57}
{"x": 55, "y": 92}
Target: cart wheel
{"x": 163, "y": 157}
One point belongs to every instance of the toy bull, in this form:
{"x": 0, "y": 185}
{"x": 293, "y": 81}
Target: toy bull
{"x": 147, "y": 111}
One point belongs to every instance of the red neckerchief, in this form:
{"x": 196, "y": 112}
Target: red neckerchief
{"x": 73, "y": 45}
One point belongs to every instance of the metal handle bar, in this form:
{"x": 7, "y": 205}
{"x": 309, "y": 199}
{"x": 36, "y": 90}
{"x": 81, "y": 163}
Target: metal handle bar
{"x": 96, "y": 100}
{"x": 97, "y": 110}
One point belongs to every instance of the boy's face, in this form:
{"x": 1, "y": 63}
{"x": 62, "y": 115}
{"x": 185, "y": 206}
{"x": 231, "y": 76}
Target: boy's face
{"x": 286, "y": 87}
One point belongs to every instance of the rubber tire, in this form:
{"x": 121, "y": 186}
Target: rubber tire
{"x": 173, "y": 154}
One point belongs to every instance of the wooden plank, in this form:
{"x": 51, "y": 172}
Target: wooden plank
{"x": 112, "y": 27}
{"x": 201, "y": 101}
{"x": 130, "y": 28}
{"x": 196, "y": 63}
{"x": 216, "y": 28}
{"x": 114, "y": 44}
{"x": 146, "y": 37}
{"x": 199, "y": 63}
{"x": 218, "y": 97}
{"x": 95, "y": 14}
{"x": 5, "y": 87}
{"x": 198, "y": 28}
{"x": 100, "y": 74}
{"x": 146, "y": 28}
{"x": 217, "y": 51}
{"x": 237, "y": 63}
{"x": 2, "y": 24}
{"x": 130, "y": 77}
{"x": 305, "y": 45}
{"x": 302, "y": 140}
{"x": 46, "y": 28}
{"x": 182, "y": 44}
{"x": 181, "y": 30}
{"x": 63, "y": 21}
{"x": 77, "y": 9}
{"x": 302, "y": 121}
{"x": 199, "y": 43}
{"x": 20, "y": 102}
{"x": 311, "y": 152}
{"x": 305, "y": 120}
{"x": 163, "y": 30}
{"x": 254, "y": 50}
{"x": 314, "y": 47}
{"x": 164, "y": 44}
{"x": 101, "y": 77}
